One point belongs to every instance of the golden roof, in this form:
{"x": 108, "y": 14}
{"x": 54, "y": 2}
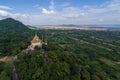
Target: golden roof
{"x": 35, "y": 39}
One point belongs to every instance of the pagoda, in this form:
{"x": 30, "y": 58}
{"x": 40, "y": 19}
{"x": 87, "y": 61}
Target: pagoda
{"x": 36, "y": 41}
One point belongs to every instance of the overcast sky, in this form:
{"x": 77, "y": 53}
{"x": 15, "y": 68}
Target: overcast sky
{"x": 57, "y": 12}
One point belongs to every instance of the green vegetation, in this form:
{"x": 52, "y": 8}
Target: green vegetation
{"x": 5, "y": 73}
{"x": 69, "y": 55}
{"x": 13, "y": 36}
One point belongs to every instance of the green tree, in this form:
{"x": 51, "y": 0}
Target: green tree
{"x": 4, "y": 76}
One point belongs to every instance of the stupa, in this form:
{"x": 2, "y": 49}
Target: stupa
{"x": 36, "y": 41}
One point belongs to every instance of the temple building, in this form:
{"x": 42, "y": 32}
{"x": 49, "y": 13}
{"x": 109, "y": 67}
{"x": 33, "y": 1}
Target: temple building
{"x": 36, "y": 41}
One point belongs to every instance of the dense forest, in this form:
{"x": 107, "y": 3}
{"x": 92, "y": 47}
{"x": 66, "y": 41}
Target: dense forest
{"x": 69, "y": 55}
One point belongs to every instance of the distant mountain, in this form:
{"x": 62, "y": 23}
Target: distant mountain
{"x": 11, "y": 25}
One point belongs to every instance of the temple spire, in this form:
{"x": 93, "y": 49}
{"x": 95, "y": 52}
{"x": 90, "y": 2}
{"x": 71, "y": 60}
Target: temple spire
{"x": 46, "y": 41}
{"x": 35, "y": 39}
{"x": 42, "y": 37}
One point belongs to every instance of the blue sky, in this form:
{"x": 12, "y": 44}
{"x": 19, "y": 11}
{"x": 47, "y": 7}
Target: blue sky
{"x": 57, "y": 12}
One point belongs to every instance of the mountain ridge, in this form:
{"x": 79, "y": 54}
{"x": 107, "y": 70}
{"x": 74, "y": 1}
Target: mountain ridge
{"x": 12, "y": 25}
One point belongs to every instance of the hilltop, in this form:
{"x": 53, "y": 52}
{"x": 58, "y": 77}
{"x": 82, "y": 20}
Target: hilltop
{"x": 12, "y": 25}
{"x": 13, "y": 34}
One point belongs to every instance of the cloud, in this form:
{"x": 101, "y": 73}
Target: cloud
{"x": 65, "y": 4}
{"x": 100, "y": 20}
{"x": 85, "y": 6}
{"x": 45, "y": 11}
{"x": 9, "y": 14}
{"x": 52, "y": 7}
{"x": 110, "y": 7}
{"x": 4, "y": 13}
{"x": 50, "y": 10}
{"x": 74, "y": 15}
{"x": 5, "y": 7}
{"x": 71, "y": 15}
{"x": 107, "y": 13}
{"x": 25, "y": 18}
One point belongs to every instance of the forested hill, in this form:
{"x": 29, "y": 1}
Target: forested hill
{"x": 69, "y": 54}
{"x": 11, "y": 25}
{"x": 14, "y": 36}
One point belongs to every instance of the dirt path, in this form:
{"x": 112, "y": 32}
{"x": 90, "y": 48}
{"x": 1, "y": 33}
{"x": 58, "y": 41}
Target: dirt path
{"x": 4, "y": 59}
{"x": 13, "y": 70}
{"x": 14, "y": 74}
